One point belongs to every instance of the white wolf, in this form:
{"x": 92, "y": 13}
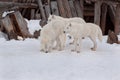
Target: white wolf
{"x": 83, "y": 30}
{"x": 74, "y": 19}
{"x": 51, "y": 33}
{"x": 66, "y": 20}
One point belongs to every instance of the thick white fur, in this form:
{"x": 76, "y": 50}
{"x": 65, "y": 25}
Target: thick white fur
{"x": 74, "y": 19}
{"x": 51, "y": 33}
{"x": 65, "y": 21}
{"x": 78, "y": 31}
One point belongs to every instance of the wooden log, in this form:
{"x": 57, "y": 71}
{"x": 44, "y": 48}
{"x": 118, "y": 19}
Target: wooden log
{"x": 97, "y": 13}
{"x": 9, "y": 27}
{"x": 77, "y": 7}
{"x": 103, "y": 17}
{"x": 111, "y": 11}
{"x": 89, "y": 13}
{"x": 117, "y": 20}
{"x": 47, "y": 10}
{"x": 67, "y": 8}
{"x": 37, "y": 14}
{"x": 41, "y": 9}
{"x": 89, "y": 10}
{"x": 54, "y": 8}
{"x": 43, "y": 20}
{"x": 112, "y": 37}
{"x": 32, "y": 11}
{"x": 14, "y": 0}
{"x": 24, "y": 9}
{"x": 61, "y": 8}
{"x": 32, "y": 14}
{"x": 81, "y": 8}
{"x": 20, "y": 24}
{"x": 21, "y": 5}
{"x": 73, "y": 10}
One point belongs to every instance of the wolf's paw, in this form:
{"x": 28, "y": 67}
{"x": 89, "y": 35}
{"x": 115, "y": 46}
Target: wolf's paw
{"x": 72, "y": 50}
{"x": 93, "y": 49}
{"x": 78, "y": 51}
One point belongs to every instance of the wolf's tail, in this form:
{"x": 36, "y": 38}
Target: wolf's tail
{"x": 100, "y": 36}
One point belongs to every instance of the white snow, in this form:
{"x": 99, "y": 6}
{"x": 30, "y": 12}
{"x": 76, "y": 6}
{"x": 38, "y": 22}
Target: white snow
{"x": 6, "y": 12}
{"x": 22, "y": 60}
{"x": 33, "y": 25}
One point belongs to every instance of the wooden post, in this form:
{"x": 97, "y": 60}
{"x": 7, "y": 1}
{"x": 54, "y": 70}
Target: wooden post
{"x": 41, "y": 9}
{"x": 97, "y": 12}
{"x": 61, "y": 8}
{"x": 44, "y": 20}
{"x": 9, "y": 27}
{"x": 67, "y": 8}
{"x": 117, "y": 20}
{"x": 73, "y": 10}
{"x": 32, "y": 13}
{"x": 81, "y": 8}
{"x": 111, "y": 11}
{"x": 37, "y": 14}
{"x": 54, "y": 8}
{"x": 103, "y": 17}
{"x": 47, "y": 10}
{"x": 78, "y": 9}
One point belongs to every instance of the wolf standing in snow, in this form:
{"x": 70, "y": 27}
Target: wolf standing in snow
{"x": 65, "y": 21}
{"x": 78, "y": 31}
{"x": 51, "y": 33}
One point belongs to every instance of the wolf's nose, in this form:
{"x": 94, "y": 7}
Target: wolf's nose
{"x": 63, "y": 31}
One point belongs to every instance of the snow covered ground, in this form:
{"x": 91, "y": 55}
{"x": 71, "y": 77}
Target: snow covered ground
{"x": 22, "y": 60}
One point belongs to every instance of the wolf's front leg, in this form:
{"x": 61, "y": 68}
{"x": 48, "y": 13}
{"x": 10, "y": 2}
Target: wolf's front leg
{"x": 78, "y": 45}
{"x": 58, "y": 44}
{"x": 94, "y": 42}
{"x": 74, "y": 44}
{"x": 62, "y": 39}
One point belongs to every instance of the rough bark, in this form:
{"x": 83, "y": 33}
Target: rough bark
{"x": 97, "y": 13}
{"x": 103, "y": 17}
{"x": 117, "y": 20}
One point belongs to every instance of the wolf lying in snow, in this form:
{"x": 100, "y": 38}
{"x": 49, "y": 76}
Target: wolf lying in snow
{"x": 78, "y": 31}
{"x": 65, "y": 21}
{"x": 51, "y": 33}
